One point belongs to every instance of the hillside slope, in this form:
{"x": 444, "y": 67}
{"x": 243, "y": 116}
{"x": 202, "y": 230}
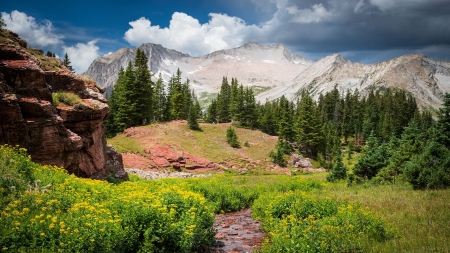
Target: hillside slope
{"x": 161, "y": 146}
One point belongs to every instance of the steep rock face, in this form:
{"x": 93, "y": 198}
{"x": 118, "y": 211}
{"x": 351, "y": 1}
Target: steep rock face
{"x": 69, "y": 136}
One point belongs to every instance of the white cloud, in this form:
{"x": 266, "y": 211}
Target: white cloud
{"x": 187, "y": 35}
{"x": 315, "y": 14}
{"x": 37, "y": 35}
{"x": 358, "y": 6}
{"x": 82, "y": 55}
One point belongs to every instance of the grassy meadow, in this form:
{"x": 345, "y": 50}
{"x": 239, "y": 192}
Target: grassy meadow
{"x": 44, "y": 208}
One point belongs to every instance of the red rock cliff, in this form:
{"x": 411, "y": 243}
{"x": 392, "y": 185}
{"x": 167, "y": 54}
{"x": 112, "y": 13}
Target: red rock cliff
{"x": 69, "y": 136}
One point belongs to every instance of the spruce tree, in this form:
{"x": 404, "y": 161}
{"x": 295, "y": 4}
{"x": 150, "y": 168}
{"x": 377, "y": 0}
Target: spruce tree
{"x": 375, "y": 156}
{"x": 159, "y": 101}
{"x": 223, "y": 102}
{"x": 211, "y": 112}
{"x": 309, "y": 133}
{"x": 142, "y": 90}
{"x": 277, "y": 156}
{"x": 2, "y": 23}
{"x": 339, "y": 171}
{"x": 232, "y": 138}
{"x": 285, "y": 120}
{"x": 192, "y": 119}
{"x": 67, "y": 62}
{"x": 430, "y": 169}
{"x": 177, "y": 99}
{"x": 444, "y": 121}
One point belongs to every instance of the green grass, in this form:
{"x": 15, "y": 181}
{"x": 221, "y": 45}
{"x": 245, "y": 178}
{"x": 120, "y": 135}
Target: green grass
{"x": 66, "y": 98}
{"x": 123, "y": 144}
{"x": 209, "y": 143}
{"x": 87, "y": 79}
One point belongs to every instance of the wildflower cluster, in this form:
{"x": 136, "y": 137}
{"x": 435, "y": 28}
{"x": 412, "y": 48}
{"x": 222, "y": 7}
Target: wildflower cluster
{"x": 297, "y": 223}
{"x": 61, "y": 212}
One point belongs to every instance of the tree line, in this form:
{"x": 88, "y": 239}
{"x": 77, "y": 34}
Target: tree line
{"x": 137, "y": 100}
{"x": 395, "y": 137}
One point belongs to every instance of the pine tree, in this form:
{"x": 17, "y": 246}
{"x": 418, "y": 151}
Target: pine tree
{"x": 375, "y": 156}
{"x": 278, "y": 156}
{"x": 232, "y": 138}
{"x": 308, "y": 127}
{"x": 67, "y": 62}
{"x": 285, "y": 120}
{"x": 192, "y": 119}
{"x": 339, "y": 171}
{"x": 211, "y": 113}
{"x": 430, "y": 169}
{"x": 159, "y": 101}
{"x": 249, "y": 116}
{"x": 223, "y": 102}
{"x": 124, "y": 99}
{"x": 142, "y": 90}
{"x": 444, "y": 121}
{"x": 347, "y": 128}
{"x": 177, "y": 99}
{"x": 2, "y": 23}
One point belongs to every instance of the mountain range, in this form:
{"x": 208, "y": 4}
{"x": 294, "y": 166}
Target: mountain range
{"x": 275, "y": 71}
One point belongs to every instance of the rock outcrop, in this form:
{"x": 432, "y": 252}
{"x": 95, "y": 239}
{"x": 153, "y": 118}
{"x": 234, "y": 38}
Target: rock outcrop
{"x": 72, "y": 137}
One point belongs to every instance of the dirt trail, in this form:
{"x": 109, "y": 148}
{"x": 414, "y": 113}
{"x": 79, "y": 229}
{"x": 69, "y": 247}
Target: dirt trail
{"x": 237, "y": 232}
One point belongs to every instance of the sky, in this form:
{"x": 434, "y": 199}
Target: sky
{"x": 366, "y": 31}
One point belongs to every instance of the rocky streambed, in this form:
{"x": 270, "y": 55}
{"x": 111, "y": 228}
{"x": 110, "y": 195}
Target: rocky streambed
{"x": 237, "y": 232}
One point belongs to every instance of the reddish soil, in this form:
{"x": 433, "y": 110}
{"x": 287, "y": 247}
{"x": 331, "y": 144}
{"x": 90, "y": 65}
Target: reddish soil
{"x": 237, "y": 232}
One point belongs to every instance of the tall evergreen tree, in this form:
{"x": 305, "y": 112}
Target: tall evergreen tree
{"x": 444, "y": 121}
{"x": 159, "y": 101}
{"x": 192, "y": 119}
{"x": 223, "y": 102}
{"x": 142, "y": 90}
{"x": 67, "y": 62}
{"x": 308, "y": 127}
{"x": 285, "y": 120}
